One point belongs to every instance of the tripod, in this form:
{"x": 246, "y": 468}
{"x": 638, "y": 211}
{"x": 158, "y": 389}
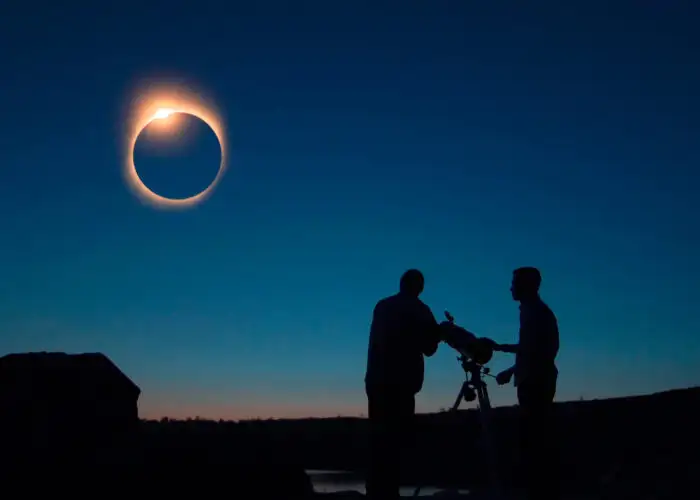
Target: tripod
{"x": 474, "y": 388}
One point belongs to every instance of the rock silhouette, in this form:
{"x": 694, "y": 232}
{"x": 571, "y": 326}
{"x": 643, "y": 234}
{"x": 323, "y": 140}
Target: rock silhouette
{"x": 57, "y": 406}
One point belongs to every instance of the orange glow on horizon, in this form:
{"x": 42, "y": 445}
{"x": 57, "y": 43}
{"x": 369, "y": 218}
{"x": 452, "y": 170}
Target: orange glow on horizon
{"x": 262, "y": 412}
{"x": 162, "y": 405}
{"x": 160, "y": 102}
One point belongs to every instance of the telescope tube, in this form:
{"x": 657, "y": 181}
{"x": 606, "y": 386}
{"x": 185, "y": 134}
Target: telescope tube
{"x": 479, "y": 350}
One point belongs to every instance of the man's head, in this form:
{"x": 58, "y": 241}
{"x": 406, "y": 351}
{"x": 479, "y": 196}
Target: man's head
{"x": 412, "y": 282}
{"x": 526, "y": 283}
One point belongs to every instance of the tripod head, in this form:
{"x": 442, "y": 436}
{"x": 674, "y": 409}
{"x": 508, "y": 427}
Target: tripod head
{"x": 474, "y": 373}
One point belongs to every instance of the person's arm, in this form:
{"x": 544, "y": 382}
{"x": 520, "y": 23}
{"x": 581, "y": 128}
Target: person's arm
{"x": 505, "y": 376}
{"x": 429, "y": 332}
{"x": 376, "y": 335}
{"x": 510, "y": 348}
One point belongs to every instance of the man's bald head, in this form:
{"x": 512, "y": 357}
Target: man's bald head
{"x": 412, "y": 282}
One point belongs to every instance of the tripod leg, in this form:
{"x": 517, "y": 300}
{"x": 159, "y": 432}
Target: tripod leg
{"x": 485, "y": 413}
{"x": 486, "y": 400}
{"x": 455, "y": 407}
{"x": 458, "y": 401}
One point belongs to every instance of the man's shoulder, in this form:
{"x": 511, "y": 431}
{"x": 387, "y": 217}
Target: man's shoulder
{"x": 425, "y": 307}
{"x": 402, "y": 301}
{"x": 546, "y": 310}
{"x": 537, "y": 310}
{"x": 386, "y": 302}
{"x": 545, "y": 316}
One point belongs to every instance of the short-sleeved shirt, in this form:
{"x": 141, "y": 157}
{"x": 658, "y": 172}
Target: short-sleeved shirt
{"x": 538, "y": 344}
{"x": 403, "y": 331}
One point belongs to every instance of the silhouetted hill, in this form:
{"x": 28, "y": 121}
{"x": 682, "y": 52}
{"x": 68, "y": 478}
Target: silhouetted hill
{"x": 652, "y": 437}
{"x": 74, "y": 418}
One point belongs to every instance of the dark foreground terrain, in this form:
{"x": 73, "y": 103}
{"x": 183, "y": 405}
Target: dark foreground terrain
{"x": 651, "y": 441}
{"x": 636, "y": 447}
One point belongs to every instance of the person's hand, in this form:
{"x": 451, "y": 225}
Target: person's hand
{"x": 444, "y": 331}
{"x": 446, "y": 328}
{"x": 507, "y": 348}
{"x": 504, "y": 377}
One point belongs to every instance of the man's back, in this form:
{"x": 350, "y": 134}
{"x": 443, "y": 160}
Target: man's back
{"x": 538, "y": 343}
{"x": 403, "y": 331}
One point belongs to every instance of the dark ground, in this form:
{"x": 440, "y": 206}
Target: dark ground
{"x": 636, "y": 447}
{"x": 648, "y": 441}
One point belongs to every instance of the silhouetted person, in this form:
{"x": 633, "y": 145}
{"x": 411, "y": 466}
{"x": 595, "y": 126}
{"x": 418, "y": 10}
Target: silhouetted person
{"x": 403, "y": 331}
{"x": 535, "y": 374}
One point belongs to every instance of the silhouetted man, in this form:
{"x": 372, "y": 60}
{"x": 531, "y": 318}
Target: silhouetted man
{"x": 403, "y": 331}
{"x": 536, "y": 374}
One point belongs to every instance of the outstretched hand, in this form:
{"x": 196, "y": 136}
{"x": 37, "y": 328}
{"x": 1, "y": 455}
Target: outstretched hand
{"x": 508, "y": 348}
{"x": 504, "y": 377}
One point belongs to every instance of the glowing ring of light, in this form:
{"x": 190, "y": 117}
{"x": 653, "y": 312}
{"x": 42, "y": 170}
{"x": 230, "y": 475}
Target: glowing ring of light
{"x": 159, "y": 104}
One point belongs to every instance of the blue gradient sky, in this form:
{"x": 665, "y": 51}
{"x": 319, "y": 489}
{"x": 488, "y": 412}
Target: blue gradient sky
{"x": 367, "y": 137}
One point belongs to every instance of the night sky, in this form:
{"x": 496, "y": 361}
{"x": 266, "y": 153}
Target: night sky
{"x": 365, "y": 137}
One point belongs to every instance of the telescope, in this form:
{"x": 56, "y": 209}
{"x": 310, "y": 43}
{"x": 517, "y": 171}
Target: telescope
{"x": 474, "y": 352}
{"x": 475, "y": 349}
